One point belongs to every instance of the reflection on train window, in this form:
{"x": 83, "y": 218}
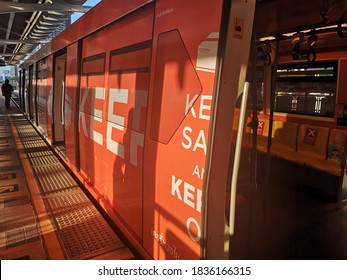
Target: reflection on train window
{"x": 259, "y": 90}
{"x": 307, "y": 89}
{"x": 42, "y": 69}
{"x": 94, "y": 65}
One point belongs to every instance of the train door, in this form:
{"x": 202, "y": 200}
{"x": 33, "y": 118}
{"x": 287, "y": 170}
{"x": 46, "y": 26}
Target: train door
{"x": 343, "y": 187}
{"x": 32, "y": 92}
{"x": 231, "y": 169}
{"x": 71, "y": 104}
{"x": 26, "y": 87}
{"x": 42, "y": 96}
{"x": 58, "y": 103}
{"x": 20, "y": 85}
{"x": 114, "y": 86}
{"x": 190, "y": 126}
{"x": 22, "y": 90}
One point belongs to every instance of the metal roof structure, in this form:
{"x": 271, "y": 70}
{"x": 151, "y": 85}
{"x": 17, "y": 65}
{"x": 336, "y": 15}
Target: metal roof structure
{"x": 27, "y": 24}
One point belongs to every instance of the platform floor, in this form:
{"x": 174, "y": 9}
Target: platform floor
{"x": 300, "y": 225}
{"x": 44, "y": 214}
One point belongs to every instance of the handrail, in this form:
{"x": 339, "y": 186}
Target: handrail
{"x": 62, "y": 102}
{"x": 237, "y": 159}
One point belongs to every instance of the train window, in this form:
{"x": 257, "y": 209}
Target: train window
{"x": 176, "y": 86}
{"x": 259, "y": 91}
{"x": 94, "y": 65}
{"x": 42, "y": 95}
{"x": 260, "y": 88}
{"x": 307, "y": 89}
{"x": 132, "y": 58}
{"x": 42, "y": 69}
{"x": 129, "y": 80}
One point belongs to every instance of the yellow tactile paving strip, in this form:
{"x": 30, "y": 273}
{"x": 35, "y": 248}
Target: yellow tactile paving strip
{"x": 68, "y": 224}
{"x": 20, "y": 235}
{"x": 49, "y": 236}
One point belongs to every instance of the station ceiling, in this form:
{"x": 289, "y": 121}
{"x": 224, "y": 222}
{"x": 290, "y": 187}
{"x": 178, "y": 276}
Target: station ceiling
{"x": 281, "y": 16}
{"x": 25, "y": 24}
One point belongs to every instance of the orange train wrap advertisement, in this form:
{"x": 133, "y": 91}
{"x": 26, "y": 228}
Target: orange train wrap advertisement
{"x": 181, "y": 86}
{"x": 145, "y": 102}
{"x": 139, "y": 84}
{"x": 112, "y": 118}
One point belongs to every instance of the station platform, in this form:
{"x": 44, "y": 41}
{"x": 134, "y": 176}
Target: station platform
{"x": 44, "y": 214}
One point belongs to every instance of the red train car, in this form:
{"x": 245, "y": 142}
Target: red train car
{"x": 125, "y": 95}
{"x": 146, "y": 103}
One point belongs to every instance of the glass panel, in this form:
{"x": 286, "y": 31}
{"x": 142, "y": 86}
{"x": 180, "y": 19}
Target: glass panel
{"x": 306, "y": 89}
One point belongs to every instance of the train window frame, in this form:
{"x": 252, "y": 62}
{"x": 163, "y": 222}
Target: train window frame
{"x": 94, "y": 58}
{"x": 128, "y": 50}
{"x": 315, "y": 88}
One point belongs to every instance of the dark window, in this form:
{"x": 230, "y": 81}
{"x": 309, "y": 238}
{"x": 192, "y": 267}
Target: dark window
{"x": 307, "y": 89}
{"x": 134, "y": 58}
{"x": 94, "y": 65}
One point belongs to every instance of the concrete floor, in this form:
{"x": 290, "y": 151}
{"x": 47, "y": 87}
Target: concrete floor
{"x": 40, "y": 218}
{"x": 295, "y": 222}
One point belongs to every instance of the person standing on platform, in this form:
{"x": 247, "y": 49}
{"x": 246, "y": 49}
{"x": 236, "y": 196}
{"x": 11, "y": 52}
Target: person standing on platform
{"x": 7, "y": 90}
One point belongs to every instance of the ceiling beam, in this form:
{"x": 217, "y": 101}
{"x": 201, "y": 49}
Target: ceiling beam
{"x": 59, "y": 6}
{"x": 9, "y": 26}
{"x": 12, "y": 54}
{"x": 28, "y": 41}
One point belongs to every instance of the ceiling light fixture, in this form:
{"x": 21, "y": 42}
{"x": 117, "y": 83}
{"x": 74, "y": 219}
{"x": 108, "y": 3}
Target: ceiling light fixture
{"x": 341, "y": 27}
{"x": 298, "y": 37}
